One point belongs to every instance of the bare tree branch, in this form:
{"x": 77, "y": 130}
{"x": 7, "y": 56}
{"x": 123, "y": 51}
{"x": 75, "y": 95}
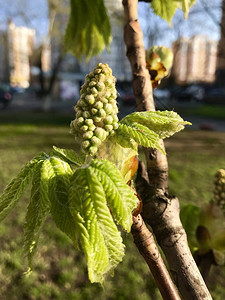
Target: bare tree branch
{"x": 160, "y": 210}
{"x": 146, "y": 245}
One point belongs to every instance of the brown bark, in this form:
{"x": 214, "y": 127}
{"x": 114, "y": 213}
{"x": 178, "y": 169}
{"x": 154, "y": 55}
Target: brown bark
{"x": 146, "y": 245}
{"x": 160, "y": 210}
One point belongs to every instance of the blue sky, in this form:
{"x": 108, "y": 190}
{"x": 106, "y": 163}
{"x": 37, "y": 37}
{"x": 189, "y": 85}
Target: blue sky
{"x": 199, "y": 22}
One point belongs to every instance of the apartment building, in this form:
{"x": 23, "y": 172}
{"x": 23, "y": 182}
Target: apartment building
{"x": 195, "y": 60}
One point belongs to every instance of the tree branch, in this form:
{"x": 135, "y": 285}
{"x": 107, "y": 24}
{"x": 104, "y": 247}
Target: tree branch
{"x": 146, "y": 245}
{"x": 160, "y": 211}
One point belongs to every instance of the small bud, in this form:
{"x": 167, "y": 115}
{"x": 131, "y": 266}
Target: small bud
{"x": 86, "y": 114}
{"x": 94, "y": 111}
{"x": 109, "y": 127}
{"x": 80, "y": 121}
{"x": 90, "y": 99}
{"x": 98, "y": 105}
{"x": 85, "y": 144}
{"x": 92, "y": 83}
{"x": 94, "y": 91}
{"x": 88, "y": 135}
{"x": 97, "y": 119}
{"x": 84, "y": 128}
{"x": 91, "y": 127}
{"x": 108, "y": 108}
{"x": 100, "y": 86}
{"x": 100, "y": 133}
{"x": 115, "y": 125}
{"x": 89, "y": 121}
{"x": 95, "y": 141}
{"x": 93, "y": 150}
{"x": 108, "y": 120}
{"x": 97, "y": 71}
{"x": 101, "y": 113}
{"x": 79, "y": 114}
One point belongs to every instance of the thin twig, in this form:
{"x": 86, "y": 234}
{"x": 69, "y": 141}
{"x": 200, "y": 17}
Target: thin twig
{"x": 146, "y": 245}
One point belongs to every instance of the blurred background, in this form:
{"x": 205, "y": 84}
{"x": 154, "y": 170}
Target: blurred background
{"x": 39, "y": 85}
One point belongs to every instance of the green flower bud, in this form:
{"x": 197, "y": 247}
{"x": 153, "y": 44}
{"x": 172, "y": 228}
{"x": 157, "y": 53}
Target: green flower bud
{"x": 108, "y": 108}
{"x": 79, "y": 114}
{"x": 219, "y": 189}
{"x": 90, "y": 99}
{"x": 101, "y": 77}
{"x": 94, "y": 111}
{"x": 85, "y": 144}
{"x": 108, "y": 120}
{"x": 97, "y": 71}
{"x": 91, "y": 127}
{"x": 86, "y": 114}
{"x": 93, "y": 150}
{"x": 88, "y": 135}
{"x": 94, "y": 91}
{"x": 89, "y": 121}
{"x": 80, "y": 121}
{"x": 115, "y": 118}
{"x": 100, "y": 86}
{"x": 84, "y": 128}
{"x": 101, "y": 113}
{"x": 104, "y": 100}
{"x": 95, "y": 141}
{"x": 98, "y": 105}
{"x": 100, "y": 133}
{"x": 109, "y": 127}
{"x": 92, "y": 83}
{"x": 97, "y": 119}
{"x": 115, "y": 125}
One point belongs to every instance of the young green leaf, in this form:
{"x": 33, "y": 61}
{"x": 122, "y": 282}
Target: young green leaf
{"x": 163, "y": 123}
{"x": 58, "y": 194}
{"x": 185, "y": 5}
{"x": 99, "y": 236}
{"x": 120, "y": 197}
{"x": 164, "y": 8}
{"x": 88, "y": 31}
{"x": 138, "y": 133}
{"x": 38, "y": 207}
{"x": 70, "y": 156}
{"x": 16, "y": 187}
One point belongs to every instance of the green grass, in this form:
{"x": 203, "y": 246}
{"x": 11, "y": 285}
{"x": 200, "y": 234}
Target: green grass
{"x": 208, "y": 111}
{"x": 59, "y": 269}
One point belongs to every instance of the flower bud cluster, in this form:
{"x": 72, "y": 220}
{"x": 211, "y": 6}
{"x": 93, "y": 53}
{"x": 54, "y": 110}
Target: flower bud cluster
{"x": 219, "y": 188}
{"x": 96, "y": 110}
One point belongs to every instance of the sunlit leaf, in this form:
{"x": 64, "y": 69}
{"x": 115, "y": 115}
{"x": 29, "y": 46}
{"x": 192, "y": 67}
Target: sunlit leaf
{"x": 88, "y": 31}
{"x": 98, "y": 234}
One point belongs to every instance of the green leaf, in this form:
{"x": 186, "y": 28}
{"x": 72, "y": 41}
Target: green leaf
{"x": 38, "y": 207}
{"x": 16, "y": 187}
{"x": 139, "y": 134}
{"x": 99, "y": 236}
{"x": 58, "y": 194}
{"x": 121, "y": 199}
{"x": 70, "y": 155}
{"x": 190, "y": 215}
{"x": 111, "y": 150}
{"x": 185, "y": 5}
{"x": 164, "y": 8}
{"x": 88, "y": 31}
{"x": 163, "y": 123}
